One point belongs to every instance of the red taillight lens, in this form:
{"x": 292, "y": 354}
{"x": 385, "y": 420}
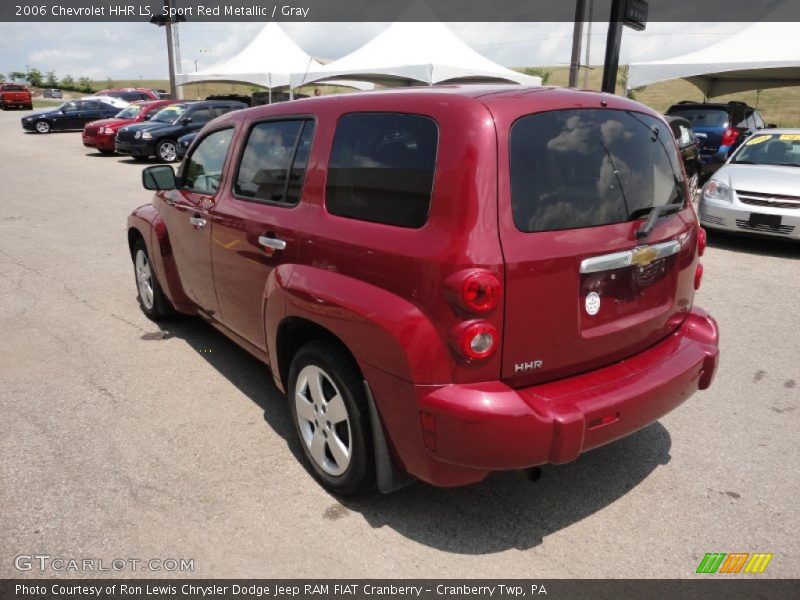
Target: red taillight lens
{"x": 698, "y": 276}
{"x": 702, "y": 240}
{"x": 478, "y": 340}
{"x": 480, "y": 292}
{"x": 729, "y": 137}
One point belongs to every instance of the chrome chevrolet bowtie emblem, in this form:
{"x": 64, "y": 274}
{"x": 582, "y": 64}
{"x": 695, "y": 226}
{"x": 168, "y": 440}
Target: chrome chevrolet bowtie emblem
{"x": 643, "y": 256}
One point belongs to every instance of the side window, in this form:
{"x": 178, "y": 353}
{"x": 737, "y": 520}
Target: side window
{"x": 274, "y": 161}
{"x": 93, "y": 105}
{"x": 201, "y": 115}
{"x": 72, "y": 107}
{"x": 382, "y": 168}
{"x": 204, "y": 166}
{"x": 221, "y": 110}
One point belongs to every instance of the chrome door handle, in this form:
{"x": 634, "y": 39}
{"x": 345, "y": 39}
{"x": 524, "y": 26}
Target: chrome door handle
{"x": 271, "y": 242}
{"x": 198, "y": 221}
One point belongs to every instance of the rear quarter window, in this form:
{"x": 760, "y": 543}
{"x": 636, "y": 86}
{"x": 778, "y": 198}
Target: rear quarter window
{"x": 382, "y": 168}
{"x": 703, "y": 117}
{"x": 590, "y": 167}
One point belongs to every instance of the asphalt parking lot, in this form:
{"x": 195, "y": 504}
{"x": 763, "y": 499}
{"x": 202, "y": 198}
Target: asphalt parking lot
{"x": 123, "y": 439}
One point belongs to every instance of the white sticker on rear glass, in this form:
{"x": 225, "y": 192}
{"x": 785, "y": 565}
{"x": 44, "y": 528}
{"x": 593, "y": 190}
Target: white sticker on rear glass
{"x": 593, "y": 303}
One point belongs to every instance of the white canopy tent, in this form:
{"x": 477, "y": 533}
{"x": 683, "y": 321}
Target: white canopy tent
{"x": 763, "y": 55}
{"x": 267, "y": 61}
{"x": 414, "y": 54}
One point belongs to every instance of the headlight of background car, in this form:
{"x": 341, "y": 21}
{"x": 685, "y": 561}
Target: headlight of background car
{"x": 716, "y": 190}
{"x": 147, "y": 135}
{"x": 108, "y": 131}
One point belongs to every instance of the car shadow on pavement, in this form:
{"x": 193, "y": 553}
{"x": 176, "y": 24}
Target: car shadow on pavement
{"x": 506, "y": 511}
{"x": 751, "y": 244}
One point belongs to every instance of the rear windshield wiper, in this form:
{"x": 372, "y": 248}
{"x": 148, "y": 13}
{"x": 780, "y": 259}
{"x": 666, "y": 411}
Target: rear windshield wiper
{"x": 655, "y": 212}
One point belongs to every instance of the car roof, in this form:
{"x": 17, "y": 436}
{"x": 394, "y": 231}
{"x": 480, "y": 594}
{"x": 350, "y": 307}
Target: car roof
{"x": 502, "y": 99}
{"x": 775, "y": 130}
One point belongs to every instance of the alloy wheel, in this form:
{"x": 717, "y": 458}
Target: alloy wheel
{"x": 43, "y": 127}
{"x": 167, "y": 152}
{"x": 323, "y": 420}
{"x": 144, "y": 280}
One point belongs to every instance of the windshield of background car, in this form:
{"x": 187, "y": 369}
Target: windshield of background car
{"x": 590, "y": 167}
{"x": 169, "y": 114}
{"x": 130, "y": 112}
{"x": 770, "y": 149}
{"x": 702, "y": 117}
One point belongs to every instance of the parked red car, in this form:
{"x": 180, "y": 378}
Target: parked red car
{"x": 14, "y": 95}
{"x": 131, "y": 94}
{"x": 445, "y": 282}
{"x": 100, "y": 134}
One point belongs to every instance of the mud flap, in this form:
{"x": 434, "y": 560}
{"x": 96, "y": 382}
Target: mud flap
{"x": 389, "y": 477}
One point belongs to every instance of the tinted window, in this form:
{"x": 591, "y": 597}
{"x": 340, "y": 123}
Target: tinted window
{"x": 70, "y": 107}
{"x": 13, "y": 88}
{"x": 92, "y": 105}
{"x": 275, "y": 149}
{"x": 382, "y": 167}
{"x": 702, "y": 117}
{"x": 201, "y": 115}
{"x": 204, "y": 167}
{"x": 583, "y": 168}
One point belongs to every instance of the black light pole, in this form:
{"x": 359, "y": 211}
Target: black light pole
{"x": 577, "y": 35}
{"x": 613, "y": 43}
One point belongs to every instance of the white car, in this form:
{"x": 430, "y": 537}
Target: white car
{"x": 758, "y": 189}
{"x": 117, "y": 102}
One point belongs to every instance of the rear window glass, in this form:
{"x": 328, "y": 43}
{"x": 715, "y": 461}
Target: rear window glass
{"x": 590, "y": 167}
{"x": 382, "y": 167}
{"x": 13, "y": 88}
{"x": 702, "y": 117}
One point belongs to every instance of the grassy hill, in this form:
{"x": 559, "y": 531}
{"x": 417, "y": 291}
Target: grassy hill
{"x": 780, "y": 106}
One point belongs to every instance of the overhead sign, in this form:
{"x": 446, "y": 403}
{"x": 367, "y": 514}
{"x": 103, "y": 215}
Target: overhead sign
{"x": 636, "y": 14}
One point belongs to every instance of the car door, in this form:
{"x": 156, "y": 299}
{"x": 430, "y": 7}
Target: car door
{"x": 186, "y": 212}
{"x": 196, "y": 118}
{"x": 257, "y": 221}
{"x": 68, "y": 117}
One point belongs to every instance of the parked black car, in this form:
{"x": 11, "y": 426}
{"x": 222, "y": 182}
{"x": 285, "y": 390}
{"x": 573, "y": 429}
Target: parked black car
{"x": 689, "y": 146}
{"x": 720, "y": 128}
{"x": 184, "y": 142}
{"x": 159, "y": 136}
{"x": 70, "y": 115}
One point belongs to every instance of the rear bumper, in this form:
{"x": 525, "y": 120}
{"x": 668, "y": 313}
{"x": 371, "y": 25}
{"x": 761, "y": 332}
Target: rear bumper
{"x": 467, "y": 431}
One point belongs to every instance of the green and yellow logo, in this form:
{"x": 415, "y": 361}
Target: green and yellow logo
{"x": 738, "y": 562}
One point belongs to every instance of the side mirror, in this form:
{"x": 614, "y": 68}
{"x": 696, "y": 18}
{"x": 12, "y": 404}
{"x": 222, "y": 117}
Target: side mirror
{"x": 186, "y": 120}
{"x": 159, "y": 177}
{"x": 148, "y": 116}
{"x": 771, "y": 126}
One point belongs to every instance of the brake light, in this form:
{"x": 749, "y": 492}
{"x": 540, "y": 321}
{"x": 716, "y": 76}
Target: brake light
{"x": 698, "y": 276}
{"x": 702, "y": 240}
{"x": 729, "y": 136}
{"x": 477, "y": 339}
{"x": 477, "y": 291}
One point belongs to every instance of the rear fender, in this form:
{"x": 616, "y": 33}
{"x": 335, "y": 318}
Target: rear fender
{"x": 149, "y": 224}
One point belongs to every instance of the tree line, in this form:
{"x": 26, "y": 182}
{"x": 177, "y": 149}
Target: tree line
{"x": 36, "y": 78}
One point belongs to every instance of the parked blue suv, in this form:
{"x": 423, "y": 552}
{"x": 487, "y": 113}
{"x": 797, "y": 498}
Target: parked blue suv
{"x": 720, "y": 128}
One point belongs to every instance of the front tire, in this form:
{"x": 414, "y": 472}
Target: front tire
{"x": 167, "y": 151}
{"x": 331, "y": 418}
{"x": 152, "y": 300}
{"x": 42, "y": 127}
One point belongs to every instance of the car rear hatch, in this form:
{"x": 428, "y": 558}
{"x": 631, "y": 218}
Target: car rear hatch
{"x": 16, "y": 95}
{"x": 709, "y": 125}
{"x": 581, "y": 290}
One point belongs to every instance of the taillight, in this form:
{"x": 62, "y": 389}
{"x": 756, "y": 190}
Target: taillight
{"x": 702, "y": 240}
{"x": 729, "y": 137}
{"x": 477, "y": 339}
{"x": 477, "y": 291}
{"x": 698, "y": 276}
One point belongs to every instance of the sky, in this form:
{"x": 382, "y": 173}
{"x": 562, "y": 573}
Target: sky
{"x": 138, "y": 50}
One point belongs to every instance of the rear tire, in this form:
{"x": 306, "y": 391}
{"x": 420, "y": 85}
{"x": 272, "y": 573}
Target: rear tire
{"x": 331, "y": 418}
{"x": 152, "y": 300}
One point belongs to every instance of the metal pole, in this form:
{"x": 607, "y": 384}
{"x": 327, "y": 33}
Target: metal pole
{"x": 173, "y": 90}
{"x": 577, "y": 35}
{"x": 177, "y": 45}
{"x": 613, "y": 43}
{"x": 587, "y": 62}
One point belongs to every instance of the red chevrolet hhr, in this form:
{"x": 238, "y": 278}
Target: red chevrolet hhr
{"x": 444, "y": 281}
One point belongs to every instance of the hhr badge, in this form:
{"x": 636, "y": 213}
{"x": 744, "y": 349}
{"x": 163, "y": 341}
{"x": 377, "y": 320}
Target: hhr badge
{"x": 593, "y": 303}
{"x": 527, "y": 366}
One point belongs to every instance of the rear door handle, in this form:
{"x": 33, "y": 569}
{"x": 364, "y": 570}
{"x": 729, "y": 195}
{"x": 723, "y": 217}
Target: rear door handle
{"x": 272, "y": 242}
{"x": 198, "y": 221}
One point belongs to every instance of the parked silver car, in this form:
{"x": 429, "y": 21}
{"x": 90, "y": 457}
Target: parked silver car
{"x": 758, "y": 188}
